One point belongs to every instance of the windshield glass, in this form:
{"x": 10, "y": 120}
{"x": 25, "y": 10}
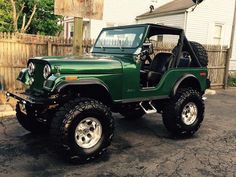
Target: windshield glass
{"x": 121, "y": 38}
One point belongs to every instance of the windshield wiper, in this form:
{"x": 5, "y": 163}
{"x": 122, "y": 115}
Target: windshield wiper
{"x": 102, "y": 47}
{"x": 121, "y": 48}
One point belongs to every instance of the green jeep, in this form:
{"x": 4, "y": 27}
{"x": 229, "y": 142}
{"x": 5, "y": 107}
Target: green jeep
{"x": 128, "y": 73}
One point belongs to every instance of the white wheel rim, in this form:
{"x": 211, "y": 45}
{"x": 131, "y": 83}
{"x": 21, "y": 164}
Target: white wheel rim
{"x": 189, "y": 113}
{"x": 88, "y": 132}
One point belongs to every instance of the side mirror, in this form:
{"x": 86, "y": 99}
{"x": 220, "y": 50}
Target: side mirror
{"x": 197, "y": 1}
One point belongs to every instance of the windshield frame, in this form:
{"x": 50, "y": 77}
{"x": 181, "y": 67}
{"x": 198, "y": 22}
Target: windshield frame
{"x": 121, "y": 27}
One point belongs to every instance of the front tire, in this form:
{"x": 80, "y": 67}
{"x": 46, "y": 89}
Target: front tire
{"x": 83, "y": 128}
{"x": 184, "y": 113}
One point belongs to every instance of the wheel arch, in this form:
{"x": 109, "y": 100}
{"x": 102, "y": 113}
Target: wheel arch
{"x": 87, "y": 88}
{"x": 188, "y": 80}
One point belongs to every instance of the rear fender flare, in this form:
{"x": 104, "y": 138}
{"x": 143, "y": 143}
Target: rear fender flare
{"x": 180, "y": 80}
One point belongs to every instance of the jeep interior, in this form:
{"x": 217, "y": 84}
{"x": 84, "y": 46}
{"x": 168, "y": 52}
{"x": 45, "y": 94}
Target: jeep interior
{"x": 156, "y": 60}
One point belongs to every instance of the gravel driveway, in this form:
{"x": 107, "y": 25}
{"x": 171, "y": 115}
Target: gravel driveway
{"x": 141, "y": 148}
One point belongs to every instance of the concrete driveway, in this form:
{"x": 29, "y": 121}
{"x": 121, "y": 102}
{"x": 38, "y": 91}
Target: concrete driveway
{"x": 141, "y": 148}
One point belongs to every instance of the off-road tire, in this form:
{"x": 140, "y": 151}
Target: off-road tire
{"x": 133, "y": 114}
{"x": 200, "y": 52}
{"x": 66, "y": 120}
{"x": 30, "y": 123}
{"x": 172, "y": 112}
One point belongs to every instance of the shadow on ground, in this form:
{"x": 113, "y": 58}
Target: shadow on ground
{"x": 140, "y": 148}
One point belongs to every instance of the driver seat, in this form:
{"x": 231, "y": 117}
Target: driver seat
{"x": 158, "y": 67}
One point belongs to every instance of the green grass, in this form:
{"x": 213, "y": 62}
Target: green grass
{"x": 232, "y": 81}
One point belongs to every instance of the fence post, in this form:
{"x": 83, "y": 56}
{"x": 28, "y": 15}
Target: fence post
{"x": 77, "y": 38}
{"x": 49, "y": 47}
{"x": 226, "y": 75}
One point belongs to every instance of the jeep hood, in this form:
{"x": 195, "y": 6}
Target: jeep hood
{"x": 82, "y": 65}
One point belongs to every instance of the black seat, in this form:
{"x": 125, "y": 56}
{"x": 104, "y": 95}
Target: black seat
{"x": 184, "y": 62}
{"x": 158, "y": 67}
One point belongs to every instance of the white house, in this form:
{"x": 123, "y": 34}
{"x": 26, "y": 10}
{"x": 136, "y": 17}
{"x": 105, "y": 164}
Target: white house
{"x": 115, "y": 13}
{"x": 209, "y": 23}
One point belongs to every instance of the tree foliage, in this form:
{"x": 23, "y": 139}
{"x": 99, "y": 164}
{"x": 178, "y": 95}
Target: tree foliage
{"x": 31, "y": 16}
{"x": 18, "y": 11}
{"x": 50, "y": 21}
{"x": 44, "y": 21}
{"x": 5, "y": 16}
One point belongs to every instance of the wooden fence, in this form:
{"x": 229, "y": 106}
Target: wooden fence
{"x": 16, "y": 49}
{"x": 218, "y": 59}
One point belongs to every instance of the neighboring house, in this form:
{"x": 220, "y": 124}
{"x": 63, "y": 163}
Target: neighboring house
{"x": 209, "y": 23}
{"x": 115, "y": 13}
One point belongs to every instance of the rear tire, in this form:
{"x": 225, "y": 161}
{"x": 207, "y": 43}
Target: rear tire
{"x": 199, "y": 50}
{"x": 83, "y": 128}
{"x": 30, "y": 123}
{"x": 184, "y": 113}
{"x": 201, "y": 53}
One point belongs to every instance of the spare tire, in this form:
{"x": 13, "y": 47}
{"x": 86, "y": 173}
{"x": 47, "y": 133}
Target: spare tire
{"x": 200, "y": 52}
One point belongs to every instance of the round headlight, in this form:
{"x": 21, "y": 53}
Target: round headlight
{"x": 31, "y": 68}
{"x": 46, "y": 71}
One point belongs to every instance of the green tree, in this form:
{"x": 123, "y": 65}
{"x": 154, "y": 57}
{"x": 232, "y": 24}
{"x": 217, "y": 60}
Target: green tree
{"x": 5, "y": 16}
{"x": 19, "y": 15}
{"x": 29, "y": 16}
{"x": 44, "y": 21}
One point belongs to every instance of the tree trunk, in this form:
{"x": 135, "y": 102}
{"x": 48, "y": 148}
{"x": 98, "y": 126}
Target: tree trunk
{"x": 15, "y": 26}
{"x": 25, "y": 27}
{"x": 16, "y": 16}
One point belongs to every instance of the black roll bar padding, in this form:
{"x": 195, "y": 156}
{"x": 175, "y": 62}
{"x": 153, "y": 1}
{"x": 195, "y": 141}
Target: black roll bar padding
{"x": 179, "y": 49}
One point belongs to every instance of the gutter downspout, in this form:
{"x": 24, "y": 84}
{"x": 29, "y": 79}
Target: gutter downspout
{"x": 185, "y": 21}
{"x": 230, "y": 50}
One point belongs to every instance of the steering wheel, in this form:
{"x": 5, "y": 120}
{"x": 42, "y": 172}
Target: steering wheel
{"x": 145, "y": 57}
{"x": 147, "y": 50}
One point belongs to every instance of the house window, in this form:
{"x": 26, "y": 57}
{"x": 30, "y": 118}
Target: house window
{"x": 71, "y": 29}
{"x": 218, "y": 34}
{"x": 160, "y": 37}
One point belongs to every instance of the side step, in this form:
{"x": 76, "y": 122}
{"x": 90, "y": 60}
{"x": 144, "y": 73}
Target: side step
{"x": 150, "y": 109}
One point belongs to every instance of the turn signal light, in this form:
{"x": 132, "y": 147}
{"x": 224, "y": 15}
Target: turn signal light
{"x": 71, "y": 78}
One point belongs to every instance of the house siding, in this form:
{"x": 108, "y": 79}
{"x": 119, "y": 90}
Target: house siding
{"x": 117, "y": 13}
{"x": 201, "y": 22}
{"x": 199, "y": 25}
{"x": 170, "y": 20}
{"x": 232, "y": 65}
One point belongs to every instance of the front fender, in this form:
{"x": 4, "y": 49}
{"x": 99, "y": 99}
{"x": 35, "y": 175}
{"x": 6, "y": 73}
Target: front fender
{"x": 90, "y": 88}
{"x": 24, "y": 77}
{"x": 64, "y": 84}
{"x": 57, "y": 84}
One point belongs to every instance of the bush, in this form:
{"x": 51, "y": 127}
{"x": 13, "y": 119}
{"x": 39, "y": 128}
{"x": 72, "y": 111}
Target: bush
{"x": 232, "y": 81}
